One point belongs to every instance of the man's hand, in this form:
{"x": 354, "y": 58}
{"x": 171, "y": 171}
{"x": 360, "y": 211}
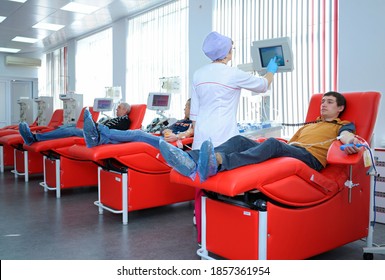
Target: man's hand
{"x": 349, "y": 138}
{"x": 352, "y": 149}
{"x": 170, "y": 137}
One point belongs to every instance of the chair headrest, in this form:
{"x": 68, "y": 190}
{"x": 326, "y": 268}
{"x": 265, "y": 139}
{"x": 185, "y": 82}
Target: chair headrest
{"x": 56, "y": 119}
{"x": 136, "y": 115}
{"x": 80, "y": 122}
{"x": 361, "y": 109}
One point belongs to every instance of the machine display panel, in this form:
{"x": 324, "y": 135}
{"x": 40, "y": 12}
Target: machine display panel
{"x": 262, "y": 51}
{"x": 159, "y": 101}
{"x": 103, "y": 104}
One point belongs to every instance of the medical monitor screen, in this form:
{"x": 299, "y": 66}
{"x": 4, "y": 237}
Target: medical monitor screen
{"x": 264, "y": 50}
{"x": 269, "y": 52}
{"x": 158, "y": 101}
{"x": 103, "y": 104}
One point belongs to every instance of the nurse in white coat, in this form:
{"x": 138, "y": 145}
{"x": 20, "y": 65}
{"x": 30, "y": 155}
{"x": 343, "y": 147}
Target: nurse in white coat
{"x": 216, "y": 92}
{"x": 215, "y": 97}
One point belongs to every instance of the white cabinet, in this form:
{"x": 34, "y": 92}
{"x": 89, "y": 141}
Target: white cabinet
{"x": 379, "y": 154}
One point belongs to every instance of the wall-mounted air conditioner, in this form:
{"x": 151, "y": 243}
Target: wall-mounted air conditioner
{"x": 22, "y": 61}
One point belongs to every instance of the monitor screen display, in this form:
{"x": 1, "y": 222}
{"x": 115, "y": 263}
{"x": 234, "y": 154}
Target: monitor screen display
{"x": 263, "y": 51}
{"x": 268, "y": 53}
{"x": 159, "y": 101}
{"x": 103, "y": 104}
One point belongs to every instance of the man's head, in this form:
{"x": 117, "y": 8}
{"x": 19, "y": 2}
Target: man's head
{"x": 332, "y": 105}
{"x": 123, "y": 109}
{"x": 187, "y": 109}
{"x": 216, "y": 46}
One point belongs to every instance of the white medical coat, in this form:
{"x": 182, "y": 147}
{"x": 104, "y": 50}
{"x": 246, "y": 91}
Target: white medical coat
{"x": 214, "y": 101}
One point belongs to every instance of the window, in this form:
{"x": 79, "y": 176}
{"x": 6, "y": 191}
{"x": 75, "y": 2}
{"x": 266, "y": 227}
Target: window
{"x": 94, "y": 66}
{"x": 56, "y": 76}
{"x": 157, "y": 48}
{"x": 312, "y": 27}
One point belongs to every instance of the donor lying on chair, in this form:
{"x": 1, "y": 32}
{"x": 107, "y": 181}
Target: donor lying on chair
{"x": 121, "y": 122}
{"x": 310, "y": 144}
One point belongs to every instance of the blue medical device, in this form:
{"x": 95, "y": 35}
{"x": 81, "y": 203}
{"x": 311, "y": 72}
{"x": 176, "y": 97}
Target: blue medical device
{"x": 350, "y": 145}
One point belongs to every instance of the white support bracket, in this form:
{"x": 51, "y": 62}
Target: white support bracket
{"x": 349, "y": 183}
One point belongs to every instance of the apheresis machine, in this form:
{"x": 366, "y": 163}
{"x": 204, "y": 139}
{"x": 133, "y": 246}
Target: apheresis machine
{"x": 72, "y": 107}
{"x": 26, "y": 110}
{"x": 159, "y": 102}
{"x": 44, "y": 109}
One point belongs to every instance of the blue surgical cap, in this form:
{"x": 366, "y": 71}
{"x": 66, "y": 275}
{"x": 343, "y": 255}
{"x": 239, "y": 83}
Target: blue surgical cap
{"x": 216, "y": 46}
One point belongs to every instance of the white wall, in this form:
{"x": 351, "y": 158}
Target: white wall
{"x": 119, "y": 31}
{"x": 7, "y": 76}
{"x": 200, "y": 24}
{"x": 361, "y": 52}
{"x": 71, "y": 56}
{"x": 17, "y": 71}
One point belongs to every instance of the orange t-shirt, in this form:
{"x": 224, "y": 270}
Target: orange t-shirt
{"x": 317, "y": 137}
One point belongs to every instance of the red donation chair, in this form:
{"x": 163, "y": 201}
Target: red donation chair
{"x": 283, "y": 209}
{"x": 61, "y": 167}
{"x": 132, "y": 176}
{"x": 29, "y": 161}
{"x": 11, "y": 139}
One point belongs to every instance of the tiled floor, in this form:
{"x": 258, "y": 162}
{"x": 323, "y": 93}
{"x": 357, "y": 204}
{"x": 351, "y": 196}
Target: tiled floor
{"x": 36, "y": 225}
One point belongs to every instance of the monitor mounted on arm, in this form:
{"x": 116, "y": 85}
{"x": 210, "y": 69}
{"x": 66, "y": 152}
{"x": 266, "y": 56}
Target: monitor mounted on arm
{"x": 159, "y": 102}
{"x": 263, "y": 50}
{"x": 103, "y": 104}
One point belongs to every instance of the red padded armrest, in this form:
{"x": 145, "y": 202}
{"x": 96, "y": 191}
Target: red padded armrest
{"x": 336, "y": 156}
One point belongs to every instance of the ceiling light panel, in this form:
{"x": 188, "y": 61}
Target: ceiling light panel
{"x": 48, "y": 26}
{"x": 25, "y": 39}
{"x": 20, "y": 1}
{"x": 79, "y": 8}
{"x": 10, "y": 50}
{"x": 2, "y": 18}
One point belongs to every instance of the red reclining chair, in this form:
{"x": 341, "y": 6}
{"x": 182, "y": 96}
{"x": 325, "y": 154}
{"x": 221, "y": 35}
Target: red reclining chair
{"x": 60, "y": 165}
{"x": 283, "y": 209}
{"x": 6, "y": 152}
{"x": 132, "y": 176}
{"x": 7, "y": 143}
{"x": 14, "y": 129}
{"x": 27, "y": 161}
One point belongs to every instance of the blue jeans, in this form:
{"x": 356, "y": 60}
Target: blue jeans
{"x": 239, "y": 151}
{"x": 114, "y": 136}
{"x": 61, "y": 132}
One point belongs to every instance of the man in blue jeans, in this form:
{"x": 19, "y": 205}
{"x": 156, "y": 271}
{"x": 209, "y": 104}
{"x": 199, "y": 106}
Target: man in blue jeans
{"x": 309, "y": 144}
{"x": 95, "y": 135}
{"x": 121, "y": 122}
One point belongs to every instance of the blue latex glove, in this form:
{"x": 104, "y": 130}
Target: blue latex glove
{"x": 272, "y": 67}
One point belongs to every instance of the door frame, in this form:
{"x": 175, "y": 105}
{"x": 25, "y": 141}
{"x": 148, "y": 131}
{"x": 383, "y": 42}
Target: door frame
{"x": 7, "y": 97}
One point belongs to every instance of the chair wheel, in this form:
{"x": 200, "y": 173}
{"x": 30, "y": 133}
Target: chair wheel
{"x": 368, "y": 256}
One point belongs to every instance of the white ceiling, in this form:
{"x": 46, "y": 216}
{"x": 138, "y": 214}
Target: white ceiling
{"x": 21, "y": 17}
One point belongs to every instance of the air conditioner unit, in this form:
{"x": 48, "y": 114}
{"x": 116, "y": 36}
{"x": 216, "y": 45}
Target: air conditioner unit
{"x": 22, "y": 61}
